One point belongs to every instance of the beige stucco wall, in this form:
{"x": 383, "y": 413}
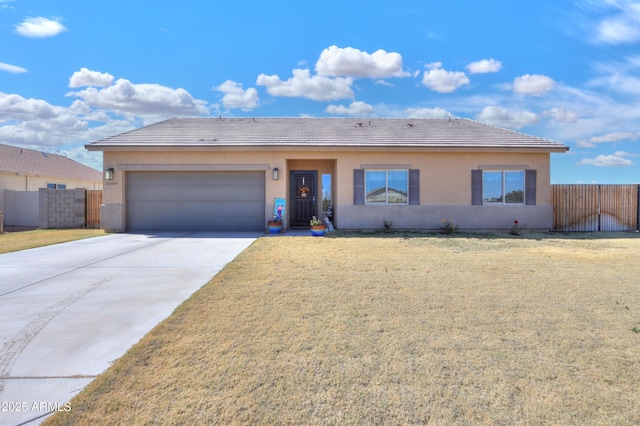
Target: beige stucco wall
{"x": 445, "y": 183}
{"x": 27, "y": 182}
{"x": 445, "y": 192}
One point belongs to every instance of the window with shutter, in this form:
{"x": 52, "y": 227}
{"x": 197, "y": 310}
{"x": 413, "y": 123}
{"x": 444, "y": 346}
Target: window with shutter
{"x": 390, "y": 186}
{"x": 503, "y": 187}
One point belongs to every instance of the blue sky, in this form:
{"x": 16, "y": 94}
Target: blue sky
{"x": 74, "y": 72}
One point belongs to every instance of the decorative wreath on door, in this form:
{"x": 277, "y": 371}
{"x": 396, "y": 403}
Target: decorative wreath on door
{"x": 303, "y": 190}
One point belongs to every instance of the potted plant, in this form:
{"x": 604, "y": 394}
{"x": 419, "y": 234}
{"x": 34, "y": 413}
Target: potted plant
{"x": 275, "y": 225}
{"x": 318, "y": 227}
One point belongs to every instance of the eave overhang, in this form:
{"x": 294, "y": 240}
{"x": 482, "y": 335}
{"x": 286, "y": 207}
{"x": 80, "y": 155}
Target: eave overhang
{"x": 318, "y": 148}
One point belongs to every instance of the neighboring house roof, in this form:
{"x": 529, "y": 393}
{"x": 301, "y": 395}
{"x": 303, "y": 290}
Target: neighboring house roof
{"x": 21, "y": 160}
{"x": 212, "y": 133}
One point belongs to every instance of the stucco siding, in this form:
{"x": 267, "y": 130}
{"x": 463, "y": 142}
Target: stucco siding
{"x": 445, "y": 183}
{"x": 444, "y": 177}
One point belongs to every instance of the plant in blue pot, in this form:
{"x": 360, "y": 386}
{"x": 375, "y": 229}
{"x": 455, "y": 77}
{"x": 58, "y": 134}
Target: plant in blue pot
{"x": 275, "y": 225}
{"x": 318, "y": 227}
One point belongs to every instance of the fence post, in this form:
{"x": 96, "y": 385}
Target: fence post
{"x": 638, "y": 210}
{"x": 1, "y": 222}
{"x": 599, "y": 208}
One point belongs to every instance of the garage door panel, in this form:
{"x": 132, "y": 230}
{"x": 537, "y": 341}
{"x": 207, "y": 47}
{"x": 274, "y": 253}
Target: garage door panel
{"x": 211, "y": 194}
{"x": 186, "y": 209}
{"x": 175, "y": 221}
{"x": 207, "y": 201}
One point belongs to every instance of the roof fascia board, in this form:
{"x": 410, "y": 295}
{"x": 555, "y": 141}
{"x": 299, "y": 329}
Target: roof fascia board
{"x": 316, "y": 148}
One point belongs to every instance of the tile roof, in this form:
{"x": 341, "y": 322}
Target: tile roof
{"x": 199, "y": 133}
{"x": 21, "y": 160}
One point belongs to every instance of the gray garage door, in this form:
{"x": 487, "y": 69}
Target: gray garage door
{"x": 195, "y": 201}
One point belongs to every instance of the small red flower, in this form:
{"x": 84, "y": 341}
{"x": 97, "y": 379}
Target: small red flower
{"x": 515, "y": 221}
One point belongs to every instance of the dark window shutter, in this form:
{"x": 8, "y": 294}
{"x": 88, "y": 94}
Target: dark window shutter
{"x": 414, "y": 187}
{"x": 530, "y": 177}
{"x": 358, "y": 186}
{"x": 476, "y": 187}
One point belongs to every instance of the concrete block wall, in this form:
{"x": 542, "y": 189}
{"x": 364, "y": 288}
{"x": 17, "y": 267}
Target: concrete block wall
{"x": 62, "y": 208}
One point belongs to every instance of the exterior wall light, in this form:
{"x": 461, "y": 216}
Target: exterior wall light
{"x": 108, "y": 174}
{"x": 275, "y": 173}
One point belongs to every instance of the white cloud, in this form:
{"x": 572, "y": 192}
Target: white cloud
{"x": 624, "y": 154}
{"x": 619, "y": 30}
{"x": 39, "y": 27}
{"x": 428, "y": 113}
{"x": 623, "y": 27}
{"x": 533, "y": 85}
{"x": 484, "y": 66}
{"x": 443, "y": 81}
{"x": 14, "y": 69}
{"x": 562, "y": 115}
{"x": 94, "y": 115}
{"x": 607, "y": 138}
{"x": 606, "y": 161}
{"x": 236, "y": 97}
{"x": 15, "y": 107}
{"x": 502, "y": 117}
{"x": 356, "y": 108}
{"x": 383, "y": 83}
{"x": 32, "y": 134}
{"x": 35, "y": 123}
{"x": 85, "y": 77}
{"x": 89, "y": 158}
{"x": 152, "y": 101}
{"x": 349, "y": 62}
{"x": 304, "y": 85}
{"x": 618, "y": 76}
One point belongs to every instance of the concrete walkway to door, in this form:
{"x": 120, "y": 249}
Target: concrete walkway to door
{"x": 69, "y": 310}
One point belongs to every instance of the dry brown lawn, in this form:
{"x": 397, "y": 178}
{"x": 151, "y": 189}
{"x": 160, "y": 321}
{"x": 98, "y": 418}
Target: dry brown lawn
{"x": 399, "y": 329}
{"x": 14, "y": 241}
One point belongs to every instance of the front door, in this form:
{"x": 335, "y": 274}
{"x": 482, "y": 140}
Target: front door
{"x": 303, "y": 193}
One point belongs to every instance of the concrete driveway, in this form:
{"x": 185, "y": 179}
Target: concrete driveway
{"x": 68, "y": 311}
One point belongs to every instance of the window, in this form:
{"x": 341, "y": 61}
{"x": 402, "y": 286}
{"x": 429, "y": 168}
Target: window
{"x": 390, "y": 184}
{"x": 326, "y": 192}
{"x": 503, "y": 187}
{"x": 56, "y": 186}
{"x": 386, "y": 186}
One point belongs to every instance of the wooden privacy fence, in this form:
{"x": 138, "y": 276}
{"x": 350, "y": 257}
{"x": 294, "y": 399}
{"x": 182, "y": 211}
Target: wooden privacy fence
{"x": 93, "y": 201}
{"x": 593, "y": 208}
